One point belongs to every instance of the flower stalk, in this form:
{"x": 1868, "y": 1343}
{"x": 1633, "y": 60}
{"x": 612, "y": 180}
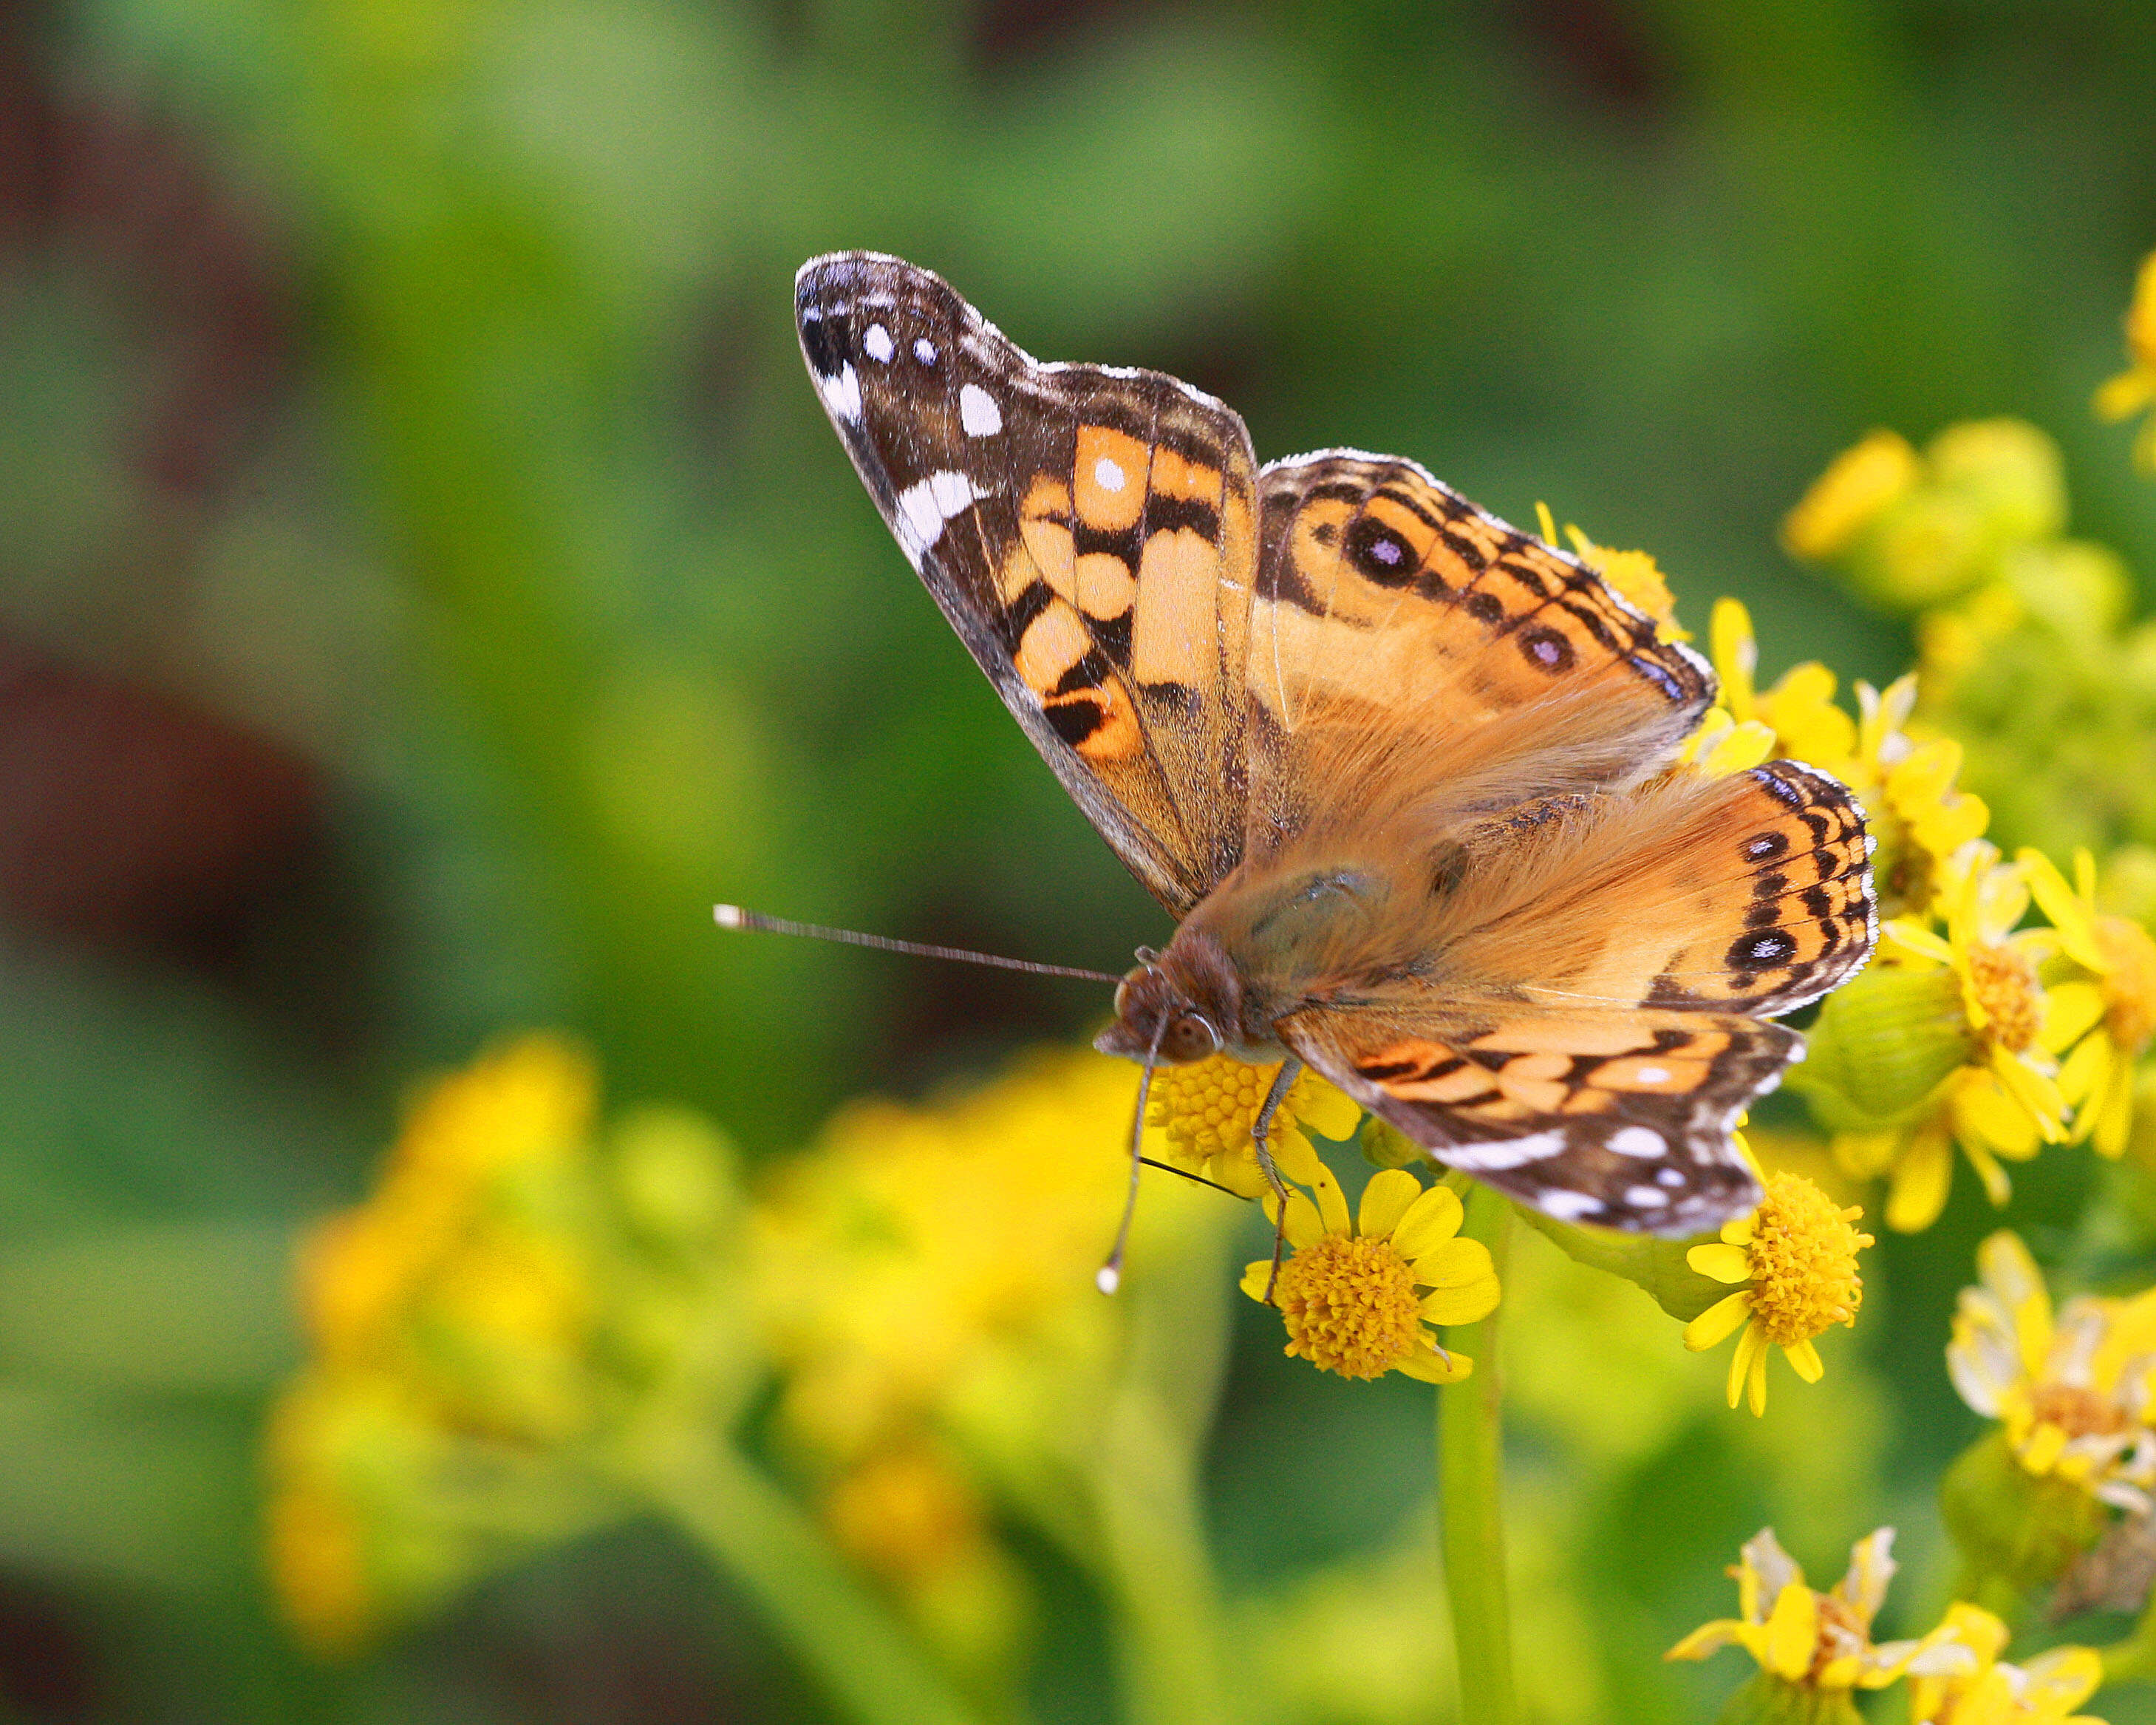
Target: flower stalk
{"x": 1471, "y": 1492}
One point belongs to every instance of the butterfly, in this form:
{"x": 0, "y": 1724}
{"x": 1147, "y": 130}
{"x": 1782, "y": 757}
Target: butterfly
{"x": 1401, "y": 772}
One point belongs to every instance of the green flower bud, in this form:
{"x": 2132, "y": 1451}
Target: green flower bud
{"x": 2017, "y": 1531}
{"x": 1769, "y": 1700}
{"x": 674, "y": 1177}
{"x": 1881, "y": 1045}
{"x": 1657, "y": 1267}
{"x": 2010, "y": 470}
{"x": 2081, "y": 589}
{"x": 1384, "y": 1146}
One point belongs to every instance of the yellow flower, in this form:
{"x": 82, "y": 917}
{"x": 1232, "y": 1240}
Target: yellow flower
{"x": 1356, "y": 1299}
{"x": 2107, "y": 1022}
{"x": 2073, "y": 1396}
{"x": 916, "y": 1248}
{"x": 1796, "y": 1255}
{"x": 1858, "y": 485}
{"x": 2134, "y": 388}
{"x": 1970, "y": 1109}
{"x": 2002, "y": 999}
{"x": 2043, "y": 1691}
{"x": 1206, "y": 1111}
{"x": 1822, "y": 1641}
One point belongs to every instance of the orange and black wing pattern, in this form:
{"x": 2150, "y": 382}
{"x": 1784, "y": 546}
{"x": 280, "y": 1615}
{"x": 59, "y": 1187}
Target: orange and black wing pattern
{"x": 1384, "y": 598}
{"x": 1090, "y": 531}
{"x": 1621, "y": 1120}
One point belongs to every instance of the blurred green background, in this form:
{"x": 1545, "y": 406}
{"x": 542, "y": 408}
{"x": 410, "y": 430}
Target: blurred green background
{"x": 427, "y": 583}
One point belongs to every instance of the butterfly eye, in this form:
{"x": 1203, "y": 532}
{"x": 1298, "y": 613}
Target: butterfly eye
{"x": 1189, "y": 1037}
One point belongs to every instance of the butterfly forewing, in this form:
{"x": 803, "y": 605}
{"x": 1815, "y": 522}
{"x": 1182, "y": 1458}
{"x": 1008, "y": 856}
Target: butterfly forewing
{"x": 1089, "y": 532}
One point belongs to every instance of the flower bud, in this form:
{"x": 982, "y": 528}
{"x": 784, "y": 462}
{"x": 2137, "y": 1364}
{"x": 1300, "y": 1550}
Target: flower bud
{"x": 2017, "y": 1531}
{"x": 1883, "y": 1043}
{"x": 1769, "y": 1700}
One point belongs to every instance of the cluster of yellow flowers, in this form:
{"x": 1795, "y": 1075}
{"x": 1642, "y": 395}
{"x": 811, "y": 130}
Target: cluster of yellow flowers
{"x": 480, "y": 1328}
{"x": 1813, "y": 1648}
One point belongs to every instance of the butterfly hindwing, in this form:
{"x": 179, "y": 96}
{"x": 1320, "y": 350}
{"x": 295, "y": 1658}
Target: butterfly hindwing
{"x": 1090, "y": 533}
{"x": 1619, "y": 1119}
{"x": 1383, "y": 595}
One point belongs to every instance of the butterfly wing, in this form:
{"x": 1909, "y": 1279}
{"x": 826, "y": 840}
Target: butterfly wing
{"x": 1384, "y": 598}
{"x": 1089, "y": 532}
{"x": 1587, "y": 1025}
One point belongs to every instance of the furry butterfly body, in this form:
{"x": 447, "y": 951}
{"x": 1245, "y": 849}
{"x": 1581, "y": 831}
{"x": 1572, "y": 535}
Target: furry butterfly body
{"x": 1399, "y": 771}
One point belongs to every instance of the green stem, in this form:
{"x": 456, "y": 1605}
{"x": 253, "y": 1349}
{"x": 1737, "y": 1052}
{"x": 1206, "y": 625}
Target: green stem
{"x": 2133, "y": 1660}
{"x": 1145, "y": 1486}
{"x": 843, "y": 1638}
{"x": 1470, "y": 1484}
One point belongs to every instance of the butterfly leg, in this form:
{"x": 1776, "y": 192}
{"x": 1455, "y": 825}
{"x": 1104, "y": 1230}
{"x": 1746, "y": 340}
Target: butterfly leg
{"x": 1261, "y": 1136}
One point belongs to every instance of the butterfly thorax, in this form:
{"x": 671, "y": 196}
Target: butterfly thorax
{"x": 1259, "y": 947}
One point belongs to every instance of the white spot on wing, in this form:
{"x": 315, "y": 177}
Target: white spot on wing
{"x": 842, "y": 394}
{"x": 924, "y": 507}
{"x": 978, "y": 412}
{"x": 1639, "y": 1140}
{"x": 924, "y": 350}
{"x": 1108, "y": 476}
{"x": 877, "y": 340}
{"x": 1644, "y": 1197}
{"x": 1505, "y": 1152}
{"x": 1569, "y": 1205}
{"x": 1652, "y": 1075}
{"x": 1670, "y": 1176}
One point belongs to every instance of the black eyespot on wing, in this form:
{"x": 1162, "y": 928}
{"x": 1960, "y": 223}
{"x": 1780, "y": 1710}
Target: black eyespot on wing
{"x": 1379, "y": 555}
{"x": 1546, "y": 650}
{"x": 1485, "y": 607}
{"x": 1760, "y": 846}
{"x": 1761, "y": 951}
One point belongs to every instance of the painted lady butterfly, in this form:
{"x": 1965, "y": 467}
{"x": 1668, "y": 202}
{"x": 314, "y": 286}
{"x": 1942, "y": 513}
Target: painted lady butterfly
{"x": 1398, "y": 769}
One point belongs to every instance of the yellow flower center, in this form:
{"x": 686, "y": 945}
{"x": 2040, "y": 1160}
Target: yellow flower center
{"x": 1350, "y": 1305}
{"x": 2129, "y": 991}
{"x": 2078, "y": 1412}
{"x": 2005, "y": 982}
{"x": 1207, "y": 1107}
{"x": 1802, "y": 1253}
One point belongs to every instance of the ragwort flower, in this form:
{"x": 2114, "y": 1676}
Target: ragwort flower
{"x": 2133, "y": 390}
{"x": 2002, "y": 997}
{"x": 1796, "y": 1256}
{"x": 1357, "y": 1298}
{"x": 1822, "y": 1641}
{"x": 2107, "y": 1022}
{"x": 2073, "y": 1396}
{"x": 1205, "y": 1112}
{"x": 2043, "y": 1691}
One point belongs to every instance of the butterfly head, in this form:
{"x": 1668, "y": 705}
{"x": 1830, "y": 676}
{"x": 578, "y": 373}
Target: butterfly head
{"x": 1175, "y": 1007}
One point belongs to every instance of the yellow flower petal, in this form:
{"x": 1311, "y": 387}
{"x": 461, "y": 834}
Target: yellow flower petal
{"x": 1430, "y": 1220}
{"x": 1716, "y": 1321}
{"x": 1710, "y": 1638}
{"x": 1755, "y": 1381}
{"x": 1323, "y": 1108}
{"x": 1804, "y": 1360}
{"x": 1469, "y": 1303}
{"x": 1902, "y": 939}
{"x": 1387, "y": 1196}
{"x": 1740, "y": 1362}
{"x": 1305, "y": 1227}
{"x": 1431, "y": 1367}
{"x": 1792, "y": 1632}
{"x": 1918, "y": 1189}
{"x": 1331, "y": 1203}
{"x": 1452, "y": 1264}
{"x": 1721, "y": 1263}
{"x": 2071, "y": 914}
{"x": 2070, "y": 1011}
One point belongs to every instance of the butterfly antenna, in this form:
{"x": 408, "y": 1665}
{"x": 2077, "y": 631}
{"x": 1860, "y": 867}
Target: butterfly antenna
{"x": 1111, "y": 1273}
{"x": 732, "y": 916}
